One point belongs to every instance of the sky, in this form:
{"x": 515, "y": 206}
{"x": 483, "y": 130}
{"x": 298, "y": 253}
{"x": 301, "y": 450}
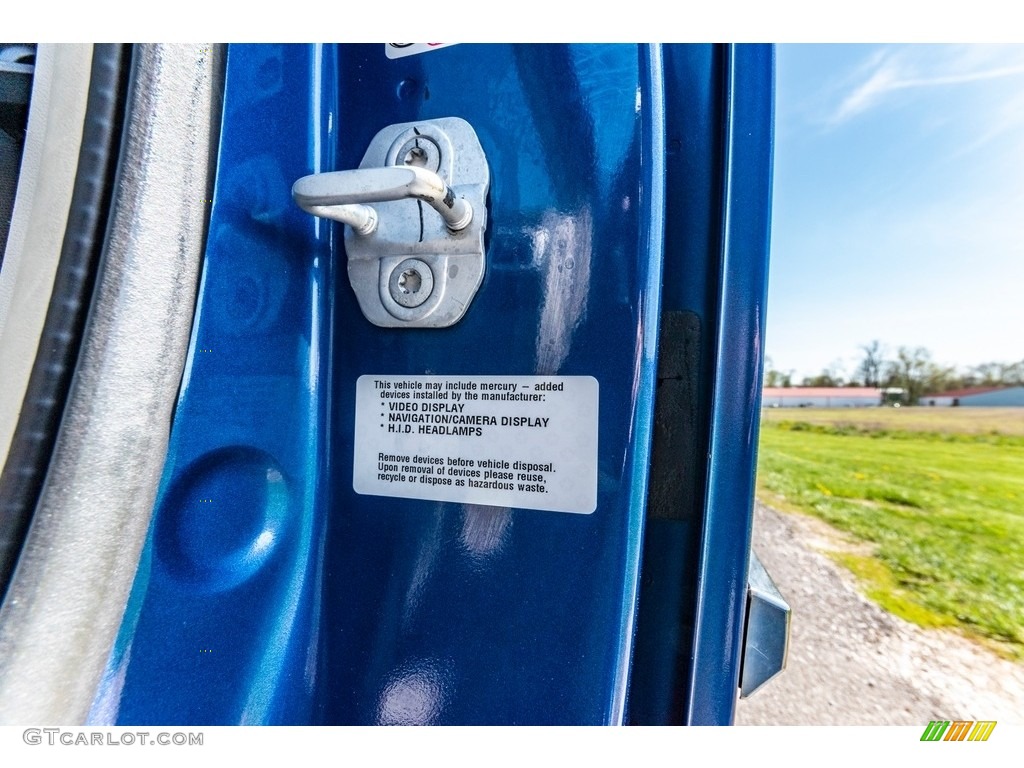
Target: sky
{"x": 898, "y": 204}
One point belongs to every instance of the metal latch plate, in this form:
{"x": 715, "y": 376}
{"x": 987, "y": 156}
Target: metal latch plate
{"x": 413, "y": 272}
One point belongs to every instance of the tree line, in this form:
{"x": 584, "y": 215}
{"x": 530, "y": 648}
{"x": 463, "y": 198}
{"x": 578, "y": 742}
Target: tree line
{"x": 911, "y": 369}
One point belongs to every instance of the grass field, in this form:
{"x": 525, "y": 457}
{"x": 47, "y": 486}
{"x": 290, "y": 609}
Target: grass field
{"x": 935, "y": 497}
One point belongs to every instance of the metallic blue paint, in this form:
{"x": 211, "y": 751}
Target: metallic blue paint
{"x": 270, "y": 592}
{"x": 693, "y": 137}
{"x": 718, "y": 127}
{"x": 452, "y": 613}
{"x": 736, "y": 399}
{"x": 223, "y": 620}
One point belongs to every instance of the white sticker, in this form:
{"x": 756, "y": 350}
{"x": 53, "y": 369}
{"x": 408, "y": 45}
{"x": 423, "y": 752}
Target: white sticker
{"x": 506, "y": 441}
{"x": 399, "y": 50}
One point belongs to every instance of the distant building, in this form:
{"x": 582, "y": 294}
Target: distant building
{"x": 988, "y": 397}
{"x": 820, "y": 397}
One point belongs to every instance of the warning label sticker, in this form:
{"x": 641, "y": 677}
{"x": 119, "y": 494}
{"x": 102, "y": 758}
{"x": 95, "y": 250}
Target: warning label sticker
{"x": 401, "y": 50}
{"x": 508, "y": 441}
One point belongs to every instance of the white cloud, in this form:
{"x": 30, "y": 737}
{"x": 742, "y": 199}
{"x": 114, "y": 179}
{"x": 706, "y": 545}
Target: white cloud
{"x": 922, "y": 67}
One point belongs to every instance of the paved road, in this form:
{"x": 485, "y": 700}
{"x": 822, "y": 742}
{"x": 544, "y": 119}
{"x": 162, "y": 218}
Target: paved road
{"x": 851, "y": 663}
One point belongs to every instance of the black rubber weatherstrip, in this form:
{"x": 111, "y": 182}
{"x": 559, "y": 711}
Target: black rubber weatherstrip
{"x": 50, "y": 379}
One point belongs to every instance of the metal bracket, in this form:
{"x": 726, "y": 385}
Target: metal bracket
{"x": 410, "y": 266}
{"x": 766, "y": 641}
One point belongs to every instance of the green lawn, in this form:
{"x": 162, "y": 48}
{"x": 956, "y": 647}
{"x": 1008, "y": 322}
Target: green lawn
{"x": 940, "y": 505}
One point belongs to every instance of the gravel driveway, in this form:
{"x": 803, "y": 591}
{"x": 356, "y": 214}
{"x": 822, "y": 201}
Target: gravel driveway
{"x": 851, "y": 663}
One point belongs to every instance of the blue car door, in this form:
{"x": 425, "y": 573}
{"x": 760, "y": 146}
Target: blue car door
{"x": 500, "y": 473}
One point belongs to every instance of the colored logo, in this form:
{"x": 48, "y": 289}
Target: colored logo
{"x": 958, "y": 730}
